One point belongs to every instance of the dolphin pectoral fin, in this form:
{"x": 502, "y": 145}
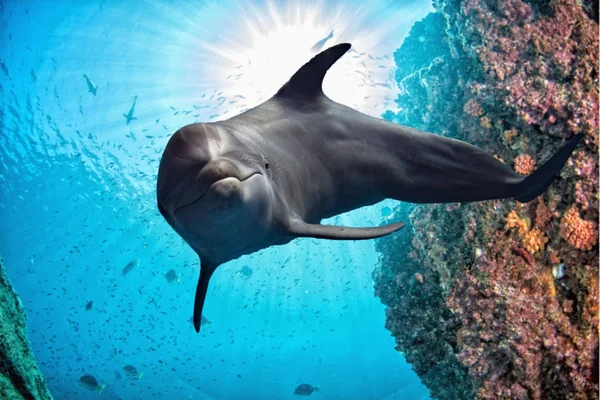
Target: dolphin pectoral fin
{"x": 302, "y": 229}
{"x": 205, "y": 274}
{"x": 535, "y": 184}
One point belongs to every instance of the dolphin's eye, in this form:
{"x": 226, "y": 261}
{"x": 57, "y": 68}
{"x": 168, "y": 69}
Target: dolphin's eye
{"x": 267, "y": 166}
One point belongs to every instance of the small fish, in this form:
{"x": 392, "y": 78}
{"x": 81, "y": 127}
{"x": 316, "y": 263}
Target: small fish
{"x": 130, "y": 266}
{"x": 129, "y": 116}
{"x": 419, "y": 277}
{"x": 172, "y": 276}
{"x": 89, "y": 382}
{"x": 117, "y": 375}
{"x": 92, "y": 88}
{"x": 130, "y": 370}
{"x": 319, "y": 45}
{"x": 246, "y": 271}
{"x": 306, "y": 390}
{"x": 89, "y": 305}
{"x": 4, "y": 69}
{"x": 558, "y": 271}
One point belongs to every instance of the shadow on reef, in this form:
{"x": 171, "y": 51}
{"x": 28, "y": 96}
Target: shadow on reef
{"x": 20, "y": 377}
{"x": 499, "y": 300}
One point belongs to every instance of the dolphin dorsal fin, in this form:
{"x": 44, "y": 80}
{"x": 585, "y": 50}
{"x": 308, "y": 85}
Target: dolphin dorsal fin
{"x": 300, "y": 228}
{"x": 306, "y": 82}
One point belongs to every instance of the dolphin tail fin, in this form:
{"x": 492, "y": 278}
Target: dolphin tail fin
{"x": 205, "y": 274}
{"x": 302, "y": 229}
{"x": 535, "y": 184}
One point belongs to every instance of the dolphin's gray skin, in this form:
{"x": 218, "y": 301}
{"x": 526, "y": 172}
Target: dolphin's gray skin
{"x": 270, "y": 174}
{"x": 129, "y": 116}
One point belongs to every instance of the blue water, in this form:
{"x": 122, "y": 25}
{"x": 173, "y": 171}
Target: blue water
{"x": 78, "y": 203}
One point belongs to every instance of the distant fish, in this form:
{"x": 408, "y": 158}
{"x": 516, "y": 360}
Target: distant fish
{"x": 92, "y": 88}
{"x": 204, "y": 320}
{"x": 89, "y": 305}
{"x": 4, "y": 69}
{"x": 130, "y": 370}
{"x": 172, "y": 276}
{"x": 129, "y": 116}
{"x": 117, "y": 375}
{"x": 306, "y": 390}
{"x": 319, "y": 45}
{"x": 89, "y": 382}
{"x": 130, "y": 266}
{"x": 246, "y": 271}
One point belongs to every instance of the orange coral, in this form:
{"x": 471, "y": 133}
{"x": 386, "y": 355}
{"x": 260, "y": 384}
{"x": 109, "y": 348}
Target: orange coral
{"x": 485, "y": 122}
{"x": 578, "y": 232}
{"x": 524, "y": 164}
{"x": 514, "y": 221}
{"x": 509, "y": 134}
{"x": 534, "y": 241}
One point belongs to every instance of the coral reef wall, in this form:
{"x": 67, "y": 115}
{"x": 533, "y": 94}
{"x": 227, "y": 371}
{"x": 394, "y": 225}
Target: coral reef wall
{"x": 20, "y": 377}
{"x": 499, "y": 300}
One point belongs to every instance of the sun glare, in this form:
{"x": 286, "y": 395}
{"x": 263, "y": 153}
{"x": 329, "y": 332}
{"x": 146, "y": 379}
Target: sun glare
{"x": 265, "y": 45}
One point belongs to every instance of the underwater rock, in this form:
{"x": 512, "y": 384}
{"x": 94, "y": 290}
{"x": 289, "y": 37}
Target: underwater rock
{"x": 492, "y": 319}
{"x": 20, "y": 377}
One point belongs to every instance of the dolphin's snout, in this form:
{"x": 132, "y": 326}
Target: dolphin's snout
{"x": 215, "y": 171}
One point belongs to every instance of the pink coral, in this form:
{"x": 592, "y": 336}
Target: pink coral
{"x": 553, "y": 43}
{"x": 524, "y": 164}
{"x": 511, "y": 326}
{"x": 473, "y": 108}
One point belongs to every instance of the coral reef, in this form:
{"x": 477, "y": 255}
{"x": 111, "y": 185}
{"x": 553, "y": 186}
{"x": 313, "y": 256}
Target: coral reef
{"x": 508, "y": 304}
{"x": 20, "y": 377}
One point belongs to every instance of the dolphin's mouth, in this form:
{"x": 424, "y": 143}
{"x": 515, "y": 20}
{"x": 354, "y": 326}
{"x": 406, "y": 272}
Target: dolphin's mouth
{"x": 208, "y": 190}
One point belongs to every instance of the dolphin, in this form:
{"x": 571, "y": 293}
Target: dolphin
{"x": 129, "y": 116}
{"x": 270, "y": 174}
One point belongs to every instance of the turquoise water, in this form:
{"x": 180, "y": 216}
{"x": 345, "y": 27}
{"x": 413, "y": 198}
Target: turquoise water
{"x": 78, "y": 201}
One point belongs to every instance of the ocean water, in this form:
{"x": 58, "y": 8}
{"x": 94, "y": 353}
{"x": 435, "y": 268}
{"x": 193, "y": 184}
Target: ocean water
{"x": 78, "y": 202}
